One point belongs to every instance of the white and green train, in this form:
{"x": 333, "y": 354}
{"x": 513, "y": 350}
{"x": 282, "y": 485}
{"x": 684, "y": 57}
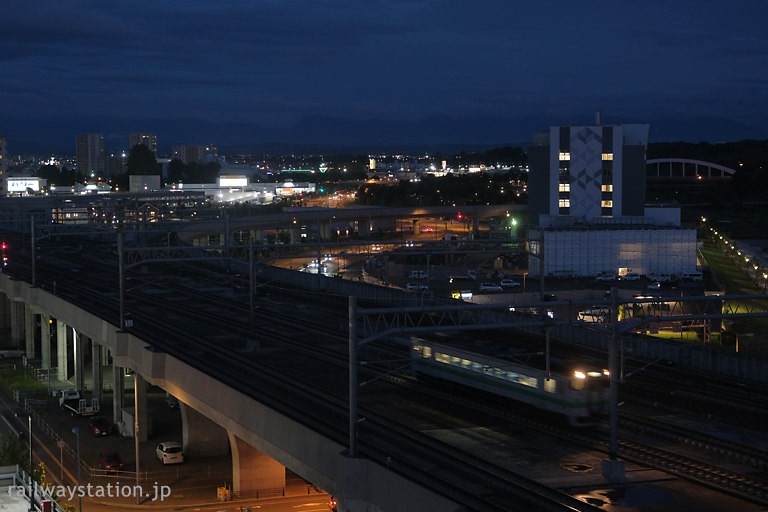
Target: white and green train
{"x": 577, "y": 392}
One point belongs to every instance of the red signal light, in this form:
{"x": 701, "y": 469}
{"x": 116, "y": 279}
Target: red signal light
{"x": 459, "y": 215}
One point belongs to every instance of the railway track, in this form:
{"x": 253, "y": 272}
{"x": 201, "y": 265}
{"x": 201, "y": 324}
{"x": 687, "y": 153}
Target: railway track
{"x": 738, "y": 484}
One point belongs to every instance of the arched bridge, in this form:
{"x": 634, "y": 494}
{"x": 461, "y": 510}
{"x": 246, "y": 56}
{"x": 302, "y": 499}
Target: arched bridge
{"x": 686, "y": 169}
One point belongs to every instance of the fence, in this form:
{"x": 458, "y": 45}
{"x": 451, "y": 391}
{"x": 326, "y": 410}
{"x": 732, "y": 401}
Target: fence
{"x": 26, "y": 488}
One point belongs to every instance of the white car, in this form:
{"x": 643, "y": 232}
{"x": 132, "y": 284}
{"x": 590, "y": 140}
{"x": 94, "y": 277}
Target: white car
{"x": 490, "y": 287}
{"x": 417, "y": 274}
{"x": 11, "y": 352}
{"x": 417, "y": 287}
{"x": 660, "y": 278}
{"x": 605, "y": 276}
{"x": 630, "y": 277}
{"x": 509, "y": 283}
{"x": 170, "y": 452}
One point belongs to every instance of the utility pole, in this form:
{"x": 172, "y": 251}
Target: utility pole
{"x": 353, "y": 376}
{"x": 613, "y": 467}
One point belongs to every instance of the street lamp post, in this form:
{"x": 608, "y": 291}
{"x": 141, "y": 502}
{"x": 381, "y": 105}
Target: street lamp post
{"x": 29, "y": 429}
{"x": 76, "y": 431}
{"x": 136, "y": 430}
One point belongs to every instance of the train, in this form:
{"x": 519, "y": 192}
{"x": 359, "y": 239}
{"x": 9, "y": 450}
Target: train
{"x": 580, "y": 393}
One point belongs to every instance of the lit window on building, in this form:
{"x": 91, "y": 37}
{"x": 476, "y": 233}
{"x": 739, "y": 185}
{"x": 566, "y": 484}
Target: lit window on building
{"x": 566, "y": 203}
{"x": 565, "y": 156}
{"x": 607, "y": 188}
{"x": 607, "y": 204}
{"x": 607, "y": 156}
{"x": 565, "y": 187}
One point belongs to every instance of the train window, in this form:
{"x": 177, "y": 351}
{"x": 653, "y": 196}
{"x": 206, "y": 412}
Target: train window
{"x": 578, "y": 384}
{"x": 442, "y": 358}
{"x": 499, "y": 373}
{"x": 466, "y": 363}
{"x": 427, "y": 352}
{"x": 455, "y": 361}
{"x": 488, "y": 370}
{"x": 514, "y": 377}
{"x": 550, "y": 385}
{"x": 478, "y": 367}
{"x": 529, "y": 381}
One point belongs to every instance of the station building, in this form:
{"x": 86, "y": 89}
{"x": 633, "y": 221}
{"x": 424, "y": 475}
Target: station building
{"x": 587, "y": 206}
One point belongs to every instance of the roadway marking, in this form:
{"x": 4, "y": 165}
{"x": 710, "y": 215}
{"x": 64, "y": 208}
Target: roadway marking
{"x": 45, "y": 448}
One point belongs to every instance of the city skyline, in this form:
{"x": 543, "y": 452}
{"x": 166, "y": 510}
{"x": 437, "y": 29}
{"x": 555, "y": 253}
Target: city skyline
{"x": 378, "y": 73}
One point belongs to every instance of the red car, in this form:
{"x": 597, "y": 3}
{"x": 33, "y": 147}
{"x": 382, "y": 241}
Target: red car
{"x": 110, "y": 460}
{"x": 99, "y": 426}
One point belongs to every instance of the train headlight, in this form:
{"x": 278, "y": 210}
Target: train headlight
{"x": 606, "y": 373}
{"x": 594, "y": 374}
{"x": 579, "y": 375}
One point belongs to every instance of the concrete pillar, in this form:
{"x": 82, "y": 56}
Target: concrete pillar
{"x": 117, "y": 392}
{"x": 98, "y": 379}
{"x": 29, "y": 332}
{"x": 327, "y": 232}
{"x": 201, "y": 436}
{"x": 17, "y": 323}
{"x": 45, "y": 340}
{"x": 252, "y": 470}
{"x": 5, "y": 312}
{"x": 61, "y": 349}
{"x": 79, "y": 346}
{"x": 140, "y": 407}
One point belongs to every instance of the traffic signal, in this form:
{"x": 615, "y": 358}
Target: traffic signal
{"x": 459, "y": 215}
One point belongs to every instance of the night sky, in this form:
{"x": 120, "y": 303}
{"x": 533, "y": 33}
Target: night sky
{"x": 377, "y": 72}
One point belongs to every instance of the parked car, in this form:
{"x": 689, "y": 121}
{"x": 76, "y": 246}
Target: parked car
{"x": 417, "y": 274}
{"x": 170, "y": 452}
{"x": 471, "y": 274}
{"x": 100, "y": 426}
{"x": 630, "y": 277}
{"x": 11, "y": 352}
{"x": 509, "y": 283}
{"x": 490, "y": 287}
{"x": 605, "y": 276}
{"x": 417, "y": 287}
{"x": 110, "y": 461}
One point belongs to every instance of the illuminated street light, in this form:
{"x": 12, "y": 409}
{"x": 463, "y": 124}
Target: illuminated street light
{"x": 76, "y": 431}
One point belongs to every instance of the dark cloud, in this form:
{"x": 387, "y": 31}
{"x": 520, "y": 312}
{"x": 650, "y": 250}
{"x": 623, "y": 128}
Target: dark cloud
{"x": 373, "y": 65}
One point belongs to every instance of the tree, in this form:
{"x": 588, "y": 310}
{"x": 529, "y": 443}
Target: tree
{"x": 141, "y": 160}
{"x": 14, "y": 451}
{"x": 176, "y": 171}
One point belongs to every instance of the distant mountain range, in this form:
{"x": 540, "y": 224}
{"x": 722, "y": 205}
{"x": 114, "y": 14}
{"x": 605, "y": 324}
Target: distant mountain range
{"x": 330, "y": 135}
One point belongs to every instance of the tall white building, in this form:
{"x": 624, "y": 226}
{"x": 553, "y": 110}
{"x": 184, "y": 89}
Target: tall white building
{"x": 147, "y": 139}
{"x": 586, "y": 172}
{"x": 90, "y": 153}
{"x": 586, "y": 204}
{"x": 195, "y": 154}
